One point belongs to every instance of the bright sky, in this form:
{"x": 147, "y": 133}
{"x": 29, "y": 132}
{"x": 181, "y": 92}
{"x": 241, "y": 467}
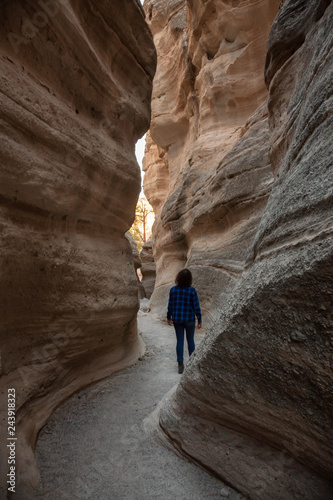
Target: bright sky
{"x": 139, "y": 153}
{"x": 140, "y": 146}
{"x": 140, "y": 150}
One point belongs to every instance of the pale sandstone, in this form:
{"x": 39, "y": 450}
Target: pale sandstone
{"x": 75, "y": 97}
{"x": 137, "y": 264}
{"x": 148, "y": 268}
{"x": 255, "y": 403}
{"x": 156, "y": 184}
{"x": 207, "y": 202}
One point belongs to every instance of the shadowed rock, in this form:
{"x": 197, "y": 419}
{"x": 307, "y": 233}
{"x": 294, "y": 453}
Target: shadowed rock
{"x": 75, "y": 93}
{"x": 137, "y": 263}
{"x": 255, "y": 403}
{"x": 148, "y": 268}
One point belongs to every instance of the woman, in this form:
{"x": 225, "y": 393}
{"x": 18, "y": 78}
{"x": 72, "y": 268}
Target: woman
{"x": 183, "y": 306}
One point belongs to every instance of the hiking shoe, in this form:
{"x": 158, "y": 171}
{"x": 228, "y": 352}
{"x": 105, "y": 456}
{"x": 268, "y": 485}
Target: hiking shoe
{"x": 180, "y": 367}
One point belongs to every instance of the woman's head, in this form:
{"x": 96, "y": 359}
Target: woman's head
{"x": 184, "y": 278}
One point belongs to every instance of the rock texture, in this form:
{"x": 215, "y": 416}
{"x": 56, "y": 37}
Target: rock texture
{"x": 137, "y": 264}
{"x": 75, "y": 93}
{"x": 255, "y": 403}
{"x": 207, "y": 170}
{"x": 148, "y": 268}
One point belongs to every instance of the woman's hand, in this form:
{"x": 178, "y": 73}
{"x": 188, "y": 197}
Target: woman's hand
{"x": 199, "y": 325}
{"x": 169, "y": 322}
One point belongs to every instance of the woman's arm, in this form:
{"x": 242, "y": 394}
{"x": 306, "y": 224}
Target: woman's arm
{"x": 196, "y": 307}
{"x": 169, "y": 313}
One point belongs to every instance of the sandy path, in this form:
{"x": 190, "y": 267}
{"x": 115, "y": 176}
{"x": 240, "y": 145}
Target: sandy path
{"x": 94, "y": 446}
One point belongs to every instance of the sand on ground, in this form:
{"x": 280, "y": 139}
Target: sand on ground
{"x": 94, "y": 447}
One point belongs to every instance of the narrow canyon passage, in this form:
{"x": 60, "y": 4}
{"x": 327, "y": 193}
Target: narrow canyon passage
{"x": 95, "y": 446}
{"x": 236, "y": 101}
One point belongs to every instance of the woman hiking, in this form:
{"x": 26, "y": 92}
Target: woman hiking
{"x": 183, "y": 306}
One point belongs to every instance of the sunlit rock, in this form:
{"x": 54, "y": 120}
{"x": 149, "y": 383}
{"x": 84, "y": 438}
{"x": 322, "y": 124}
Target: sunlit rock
{"x": 207, "y": 169}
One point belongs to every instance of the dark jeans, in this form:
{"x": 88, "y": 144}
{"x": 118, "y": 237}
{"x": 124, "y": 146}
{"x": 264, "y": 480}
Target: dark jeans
{"x": 189, "y": 327}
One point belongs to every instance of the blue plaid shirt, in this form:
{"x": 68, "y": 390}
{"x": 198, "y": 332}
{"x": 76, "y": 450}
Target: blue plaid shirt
{"x": 183, "y": 305}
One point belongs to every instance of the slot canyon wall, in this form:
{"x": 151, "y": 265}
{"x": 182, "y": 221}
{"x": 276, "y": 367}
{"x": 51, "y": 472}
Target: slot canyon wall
{"x": 207, "y": 167}
{"x": 137, "y": 264}
{"x": 148, "y": 268}
{"x": 76, "y": 81}
{"x": 243, "y": 190}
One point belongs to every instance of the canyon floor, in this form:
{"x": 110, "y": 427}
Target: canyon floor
{"x": 95, "y": 446}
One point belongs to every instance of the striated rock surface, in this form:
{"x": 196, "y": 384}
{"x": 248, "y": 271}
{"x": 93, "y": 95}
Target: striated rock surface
{"x": 75, "y": 93}
{"x": 207, "y": 170}
{"x": 156, "y": 183}
{"x": 148, "y": 268}
{"x": 137, "y": 264}
{"x": 255, "y": 404}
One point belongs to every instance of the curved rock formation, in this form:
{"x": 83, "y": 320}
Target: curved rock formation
{"x": 207, "y": 202}
{"x": 137, "y": 264}
{"x": 148, "y": 268}
{"x": 76, "y": 81}
{"x": 255, "y": 402}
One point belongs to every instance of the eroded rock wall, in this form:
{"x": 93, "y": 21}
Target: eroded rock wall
{"x": 76, "y": 79}
{"x": 137, "y": 264}
{"x": 255, "y": 403}
{"x": 148, "y": 268}
{"x": 207, "y": 170}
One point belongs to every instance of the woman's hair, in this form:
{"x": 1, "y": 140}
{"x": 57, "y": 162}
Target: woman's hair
{"x": 184, "y": 278}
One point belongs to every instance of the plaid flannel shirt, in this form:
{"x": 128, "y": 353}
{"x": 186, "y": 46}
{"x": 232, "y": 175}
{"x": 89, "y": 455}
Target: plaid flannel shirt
{"x": 183, "y": 305}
